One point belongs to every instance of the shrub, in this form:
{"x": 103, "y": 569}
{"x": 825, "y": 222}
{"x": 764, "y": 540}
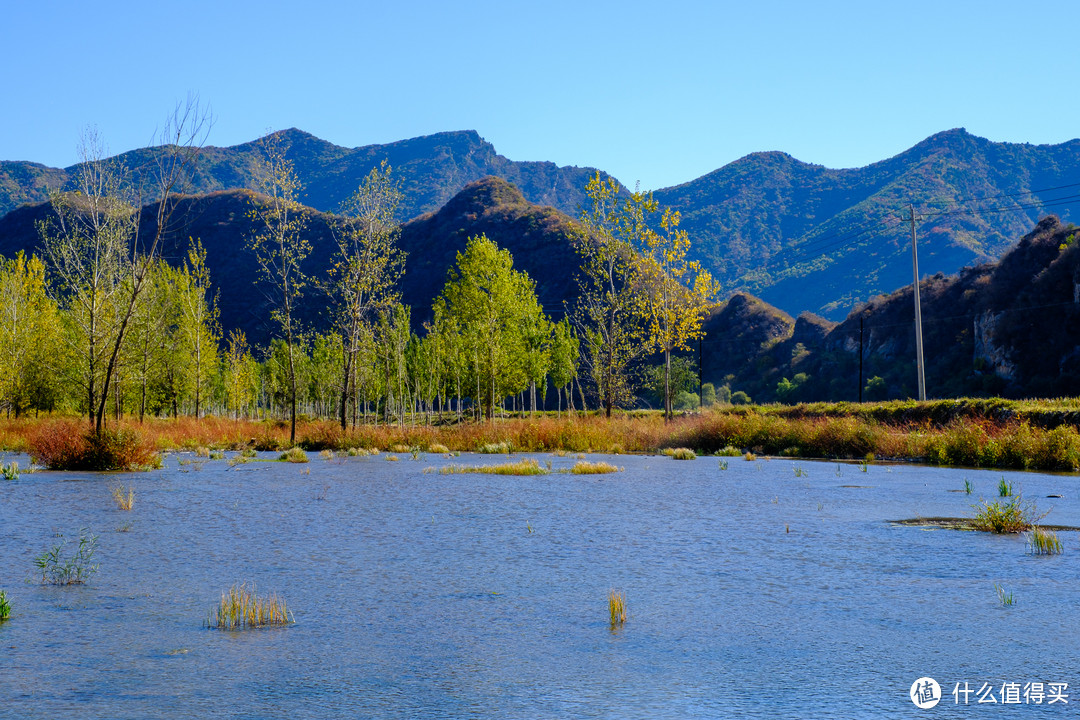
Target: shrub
{"x": 1001, "y": 517}
{"x": 64, "y": 446}
{"x": 686, "y": 401}
{"x": 293, "y": 455}
{"x": 58, "y": 569}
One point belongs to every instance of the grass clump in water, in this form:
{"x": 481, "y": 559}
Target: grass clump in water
{"x": 1005, "y": 489}
{"x": 499, "y": 448}
{"x": 1005, "y": 598}
{"x": 729, "y": 451}
{"x": 5, "y": 607}
{"x": 1043, "y": 542}
{"x": 59, "y": 569}
{"x": 749, "y": 456}
{"x": 584, "y": 467}
{"x": 10, "y": 471}
{"x": 241, "y": 608}
{"x": 123, "y": 497}
{"x": 616, "y": 608}
{"x": 968, "y": 487}
{"x": 679, "y": 453}
{"x": 528, "y": 466}
{"x": 294, "y": 455}
{"x": 437, "y": 448}
{"x": 1000, "y": 517}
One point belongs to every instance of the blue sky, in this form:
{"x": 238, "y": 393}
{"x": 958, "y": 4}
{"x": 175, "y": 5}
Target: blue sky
{"x": 659, "y": 93}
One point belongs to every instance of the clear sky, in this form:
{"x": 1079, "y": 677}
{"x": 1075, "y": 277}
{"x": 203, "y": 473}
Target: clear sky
{"x": 658, "y": 92}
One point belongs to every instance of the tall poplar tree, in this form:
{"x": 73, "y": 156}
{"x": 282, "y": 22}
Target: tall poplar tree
{"x": 280, "y": 246}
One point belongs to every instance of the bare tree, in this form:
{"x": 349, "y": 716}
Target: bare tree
{"x": 100, "y": 252}
{"x": 280, "y": 246}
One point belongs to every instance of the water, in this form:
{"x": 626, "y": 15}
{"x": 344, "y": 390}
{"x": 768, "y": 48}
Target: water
{"x": 752, "y": 592}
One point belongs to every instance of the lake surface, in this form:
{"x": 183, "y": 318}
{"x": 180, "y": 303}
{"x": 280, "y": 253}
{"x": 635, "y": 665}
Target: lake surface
{"x": 774, "y": 588}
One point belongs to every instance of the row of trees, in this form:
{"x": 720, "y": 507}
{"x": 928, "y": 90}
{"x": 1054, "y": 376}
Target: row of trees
{"x": 102, "y": 317}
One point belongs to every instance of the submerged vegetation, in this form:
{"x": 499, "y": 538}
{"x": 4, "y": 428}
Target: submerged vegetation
{"x": 616, "y": 608}
{"x": 123, "y": 497}
{"x": 59, "y": 568}
{"x": 241, "y": 608}
{"x": 1004, "y": 597}
{"x": 1043, "y": 542}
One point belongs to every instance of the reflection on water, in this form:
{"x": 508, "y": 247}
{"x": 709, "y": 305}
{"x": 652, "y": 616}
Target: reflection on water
{"x": 756, "y": 591}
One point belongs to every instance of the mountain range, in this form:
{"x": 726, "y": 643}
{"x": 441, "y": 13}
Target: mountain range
{"x": 802, "y": 237}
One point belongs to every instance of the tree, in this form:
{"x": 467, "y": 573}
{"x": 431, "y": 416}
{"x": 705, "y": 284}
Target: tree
{"x": 368, "y": 267}
{"x": 280, "y": 247}
{"x": 604, "y": 313}
{"x": 491, "y": 307}
{"x": 672, "y": 293}
{"x": 241, "y": 374}
{"x": 152, "y": 347}
{"x": 96, "y": 247}
{"x": 671, "y": 379}
{"x": 199, "y": 328}
{"x": 708, "y": 395}
{"x": 564, "y": 357}
{"x": 29, "y": 333}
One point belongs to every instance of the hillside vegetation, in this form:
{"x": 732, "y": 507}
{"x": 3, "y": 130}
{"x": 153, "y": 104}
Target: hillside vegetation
{"x": 803, "y": 237}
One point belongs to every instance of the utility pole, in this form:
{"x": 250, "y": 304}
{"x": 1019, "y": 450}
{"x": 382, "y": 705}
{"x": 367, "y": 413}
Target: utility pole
{"x": 700, "y": 367}
{"x": 860, "y": 355}
{"x": 918, "y": 310}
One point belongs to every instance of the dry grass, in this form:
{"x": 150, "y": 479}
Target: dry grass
{"x": 583, "y": 467}
{"x": 241, "y": 608}
{"x": 527, "y": 466}
{"x": 679, "y": 453}
{"x": 909, "y": 431}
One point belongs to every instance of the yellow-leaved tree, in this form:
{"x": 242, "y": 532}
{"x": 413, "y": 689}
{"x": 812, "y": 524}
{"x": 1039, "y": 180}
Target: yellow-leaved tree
{"x": 672, "y": 294}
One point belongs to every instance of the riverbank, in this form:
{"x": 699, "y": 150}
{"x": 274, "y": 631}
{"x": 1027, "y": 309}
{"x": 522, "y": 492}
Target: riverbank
{"x": 1037, "y": 435}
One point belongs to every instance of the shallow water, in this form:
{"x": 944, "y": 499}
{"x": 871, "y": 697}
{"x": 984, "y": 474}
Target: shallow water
{"x": 774, "y": 588}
